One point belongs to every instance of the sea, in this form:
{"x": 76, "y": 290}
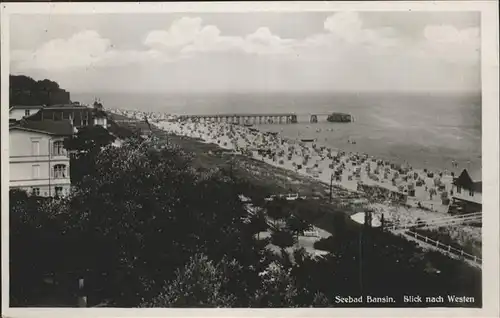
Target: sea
{"x": 424, "y": 130}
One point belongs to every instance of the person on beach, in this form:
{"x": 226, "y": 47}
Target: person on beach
{"x": 243, "y": 138}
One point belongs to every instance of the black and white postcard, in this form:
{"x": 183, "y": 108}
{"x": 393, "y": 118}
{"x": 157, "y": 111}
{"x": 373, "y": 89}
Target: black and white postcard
{"x": 334, "y": 159}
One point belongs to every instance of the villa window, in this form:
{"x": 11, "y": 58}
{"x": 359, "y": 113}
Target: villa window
{"x": 59, "y": 171}
{"x": 35, "y": 171}
{"x": 99, "y": 121}
{"x": 85, "y": 122}
{"x": 35, "y": 147}
{"x": 459, "y": 190}
{"x": 35, "y": 192}
{"x": 27, "y": 112}
{"x": 59, "y": 191}
{"x": 58, "y": 148}
{"x": 471, "y": 193}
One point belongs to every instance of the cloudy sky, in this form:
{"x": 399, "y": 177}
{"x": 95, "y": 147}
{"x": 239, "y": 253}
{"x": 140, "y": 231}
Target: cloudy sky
{"x": 308, "y": 51}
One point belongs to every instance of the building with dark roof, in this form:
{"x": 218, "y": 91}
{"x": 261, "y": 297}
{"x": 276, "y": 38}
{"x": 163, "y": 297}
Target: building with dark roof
{"x": 466, "y": 194}
{"x": 80, "y": 116}
{"x": 51, "y": 127}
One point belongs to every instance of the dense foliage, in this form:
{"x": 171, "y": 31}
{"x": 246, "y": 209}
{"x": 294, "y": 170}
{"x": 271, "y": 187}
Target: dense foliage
{"x": 84, "y": 146}
{"x": 137, "y": 217}
{"x": 200, "y": 283}
{"x": 26, "y": 91}
{"x": 144, "y": 228}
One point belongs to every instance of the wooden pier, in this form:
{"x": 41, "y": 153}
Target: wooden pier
{"x": 279, "y": 118}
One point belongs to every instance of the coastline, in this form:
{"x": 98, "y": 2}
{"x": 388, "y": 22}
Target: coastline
{"x": 316, "y": 158}
{"x": 435, "y": 157}
{"x": 277, "y": 175}
{"x": 249, "y": 141}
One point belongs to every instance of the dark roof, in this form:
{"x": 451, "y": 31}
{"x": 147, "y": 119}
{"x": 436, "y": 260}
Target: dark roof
{"x": 67, "y": 106}
{"x": 478, "y": 186}
{"x": 464, "y": 180}
{"x": 51, "y": 127}
{"x": 26, "y": 107}
{"x": 78, "y": 113}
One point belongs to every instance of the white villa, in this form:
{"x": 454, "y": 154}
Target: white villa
{"x": 38, "y": 161}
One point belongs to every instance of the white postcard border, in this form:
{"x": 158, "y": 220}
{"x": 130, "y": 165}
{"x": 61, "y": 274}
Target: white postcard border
{"x": 490, "y": 151}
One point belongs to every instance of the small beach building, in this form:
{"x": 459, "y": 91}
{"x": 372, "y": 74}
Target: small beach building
{"x": 466, "y": 194}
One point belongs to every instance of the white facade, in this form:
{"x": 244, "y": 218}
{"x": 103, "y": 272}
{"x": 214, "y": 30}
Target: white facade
{"x": 467, "y": 195}
{"x": 39, "y": 163}
{"x": 18, "y": 112}
{"x": 101, "y": 121}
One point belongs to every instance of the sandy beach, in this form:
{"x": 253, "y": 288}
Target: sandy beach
{"x": 424, "y": 189}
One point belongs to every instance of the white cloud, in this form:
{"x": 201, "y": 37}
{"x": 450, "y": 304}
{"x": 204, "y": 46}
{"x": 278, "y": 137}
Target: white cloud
{"x": 188, "y": 36}
{"x": 450, "y": 34}
{"x": 346, "y": 52}
{"x": 450, "y": 44}
{"x": 82, "y": 50}
{"x": 348, "y": 27}
{"x": 263, "y": 41}
{"x": 182, "y": 32}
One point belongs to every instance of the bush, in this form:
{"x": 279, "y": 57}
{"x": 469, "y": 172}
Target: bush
{"x": 199, "y": 284}
{"x": 325, "y": 244}
{"x": 282, "y": 238}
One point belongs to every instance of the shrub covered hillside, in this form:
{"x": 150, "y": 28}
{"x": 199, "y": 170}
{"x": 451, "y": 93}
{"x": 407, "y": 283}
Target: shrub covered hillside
{"x": 27, "y": 92}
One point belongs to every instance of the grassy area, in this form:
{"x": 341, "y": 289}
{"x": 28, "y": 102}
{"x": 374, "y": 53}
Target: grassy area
{"x": 441, "y": 235}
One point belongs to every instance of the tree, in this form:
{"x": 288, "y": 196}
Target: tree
{"x": 277, "y": 209}
{"x": 38, "y": 247}
{"x": 200, "y": 283}
{"x": 320, "y": 300}
{"x": 144, "y": 212}
{"x": 277, "y": 289}
{"x": 26, "y": 91}
{"x": 340, "y": 229}
{"x": 297, "y": 226}
{"x": 84, "y": 148}
{"x": 282, "y": 238}
{"x": 258, "y": 222}
{"x": 89, "y": 140}
{"x": 47, "y": 85}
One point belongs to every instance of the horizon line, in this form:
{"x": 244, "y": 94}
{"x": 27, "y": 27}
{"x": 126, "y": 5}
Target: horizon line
{"x": 186, "y": 92}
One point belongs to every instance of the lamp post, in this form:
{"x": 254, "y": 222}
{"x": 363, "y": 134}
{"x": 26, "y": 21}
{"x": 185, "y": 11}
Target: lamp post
{"x": 50, "y": 170}
{"x": 331, "y": 187}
